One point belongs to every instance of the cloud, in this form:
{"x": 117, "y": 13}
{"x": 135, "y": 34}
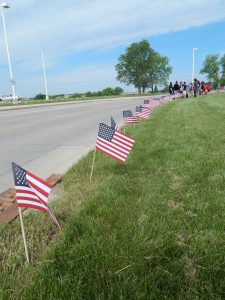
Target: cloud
{"x": 65, "y": 28}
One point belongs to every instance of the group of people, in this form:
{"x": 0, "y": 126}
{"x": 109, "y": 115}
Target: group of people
{"x": 192, "y": 89}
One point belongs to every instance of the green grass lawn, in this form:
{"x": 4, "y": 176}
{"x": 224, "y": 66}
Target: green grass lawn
{"x": 153, "y": 228}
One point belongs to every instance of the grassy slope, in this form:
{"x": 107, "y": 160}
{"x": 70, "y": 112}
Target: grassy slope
{"x": 152, "y": 229}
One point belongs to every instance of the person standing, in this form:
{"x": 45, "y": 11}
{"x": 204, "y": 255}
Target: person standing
{"x": 171, "y": 90}
{"x": 181, "y": 89}
{"x": 190, "y": 89}
{"x": 195, "y": 87}
{"x": 199, "y": 88}
{"x": 176, "y": 87}
{"x": 185, "y": 90}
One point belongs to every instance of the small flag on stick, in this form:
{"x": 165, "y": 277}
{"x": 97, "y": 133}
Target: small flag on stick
{"x": 138, "y": 110}
{"x": 142, "y": 112}
{"x": 114, "y": 125}
{"x": 115, "y": 144}
{"x": 129, "y": 118}
{"x": 32, "y": 191}
{"x": 145, "y": 113}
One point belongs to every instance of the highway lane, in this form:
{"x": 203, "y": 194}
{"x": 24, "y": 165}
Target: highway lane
{"x": 50, "y": 139}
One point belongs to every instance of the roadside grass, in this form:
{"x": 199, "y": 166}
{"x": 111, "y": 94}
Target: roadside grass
{"x": 74, "y": 99}
{"x": 43, "y": 101}
{"x": 57, "y": 100}
{"x": 153, "y": 228}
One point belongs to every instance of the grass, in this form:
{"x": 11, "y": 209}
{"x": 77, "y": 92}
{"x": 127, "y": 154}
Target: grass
{"x": 151, "y": 229}
{"x": 55, "y": 100}
{"x": 72, "y": 99}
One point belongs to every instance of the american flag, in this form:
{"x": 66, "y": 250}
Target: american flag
{"x": 129, "y": 118}
{"x": 145, "y": 113}
{"x": 31, "y": 191}
{"x": 114, "y": 125}
{"x": 153, "y": 103}
{"x": 115, "y": 144}
{"x": 146, "y": 101}
{"x": 138, "y": 110}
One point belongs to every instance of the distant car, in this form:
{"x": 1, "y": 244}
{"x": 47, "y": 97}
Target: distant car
{"x": 9, "y": 98}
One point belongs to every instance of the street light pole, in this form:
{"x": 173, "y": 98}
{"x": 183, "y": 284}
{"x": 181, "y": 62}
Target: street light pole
{"x": 12, "y": 80}
{"x": 46, "y": 88}
{"x": 193, "y": 63}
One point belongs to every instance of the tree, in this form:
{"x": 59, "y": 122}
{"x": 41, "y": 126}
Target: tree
{"x": 88, "y": 94}
{"x": 99, "y": 93}
{"x": 211, "y": 67}
{"x": 222, "y": 64}
{"x": 156, "y": 89}
{"x": 142, "y": 66}
{"x": 39, "y": 97}
{"x": 118, "y": 91}
{"x": 108, "y": 91}
{"x": 57, "y": 96}
{"x": 159, "y": 70}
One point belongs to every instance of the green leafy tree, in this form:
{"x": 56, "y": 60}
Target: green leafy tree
{"x": 222, "y": 64}
{"x": 156, "y": 89}
{"x": 99, "y": 93}
{"x": 142, "y": 67}
{"x": 76, "y": 95}
{"x": 39, "y": 97}
{"x": 118, "y": 91}
{"x": 211, "y": 68}
{"x": 88, "y": 94}
{"x": 132, "y": 66}
{"x": 57, "y": 96}
{"x": 159, "y": 70}
{"x": 108, "y": 91}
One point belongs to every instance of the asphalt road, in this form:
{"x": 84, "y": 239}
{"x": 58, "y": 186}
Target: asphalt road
{"x": 50, "y": 139}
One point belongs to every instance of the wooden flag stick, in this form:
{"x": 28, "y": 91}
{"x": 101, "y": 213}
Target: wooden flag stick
{"x": 92, "y": 167}
{"x": 23, "y": 233}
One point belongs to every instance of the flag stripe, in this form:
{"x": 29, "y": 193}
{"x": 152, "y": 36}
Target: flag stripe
{"x": 25, "y": 204}
{"x": 110, "y": 154}
{"x": 41, "y": 195}
{"x": 25, "y": 192}
{"x": 123, "y": 141}
{"x": 131, "y": 120}
{"x": 45, "y": 190}
{"x": 124, "y": 146}
{"x": 30, "y": 200}
{"x": 107, "y": 145}
{"x": 119, "y": 143}
{"x": 22, "y": 197}
{"x": 46, "y": 186}
{"x": 125, "y": 136}
{"x": 120, "y": 146}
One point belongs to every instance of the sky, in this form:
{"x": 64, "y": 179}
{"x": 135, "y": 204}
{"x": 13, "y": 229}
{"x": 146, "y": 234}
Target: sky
{"x": 83, "y": 39}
